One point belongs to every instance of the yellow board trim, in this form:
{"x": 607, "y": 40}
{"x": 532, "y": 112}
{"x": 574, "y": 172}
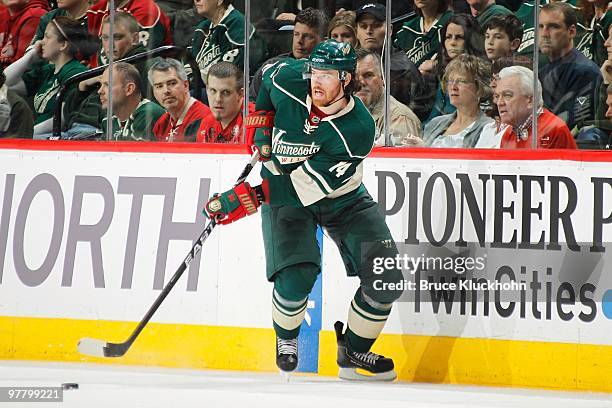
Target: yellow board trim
{"x": 431, "y": 359}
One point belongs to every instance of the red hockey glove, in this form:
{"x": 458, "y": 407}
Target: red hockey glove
{"x": 259, "y": 132}
{"x": 232, "y": 205}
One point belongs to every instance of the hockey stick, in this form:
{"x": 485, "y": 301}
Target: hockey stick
{"x": 101, "y": 348}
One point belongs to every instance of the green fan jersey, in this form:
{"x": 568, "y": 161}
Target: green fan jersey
{"x": 419, "y": 45}
{"x": 600, "y": 28}
{"x": 139, "y": 126}
{"x": 44, "y": 84}
{"x": 222, "y": 42}
{"x": 312, "y": 159}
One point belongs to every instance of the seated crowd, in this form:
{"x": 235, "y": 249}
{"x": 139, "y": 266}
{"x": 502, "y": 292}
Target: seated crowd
{"x": 461, "y": 72}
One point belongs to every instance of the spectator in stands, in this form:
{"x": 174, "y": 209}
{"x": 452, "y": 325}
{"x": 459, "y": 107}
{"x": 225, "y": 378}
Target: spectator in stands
{"x": 570, "y": 81}
{"x": 309, "y": 29}
{"x": 133, "y": 115}
{"x": 496, "y": 66}
{"x": 83, "y": 104}
{"x": 484, "y": 10}
{"x": 525, "y": 13}
{"x": 491, "y": 133}
{"x": 515, "y": 101}
{"x": 606, "y": 73}
{"x": 226, "y": 97}
{"x": 600, "y": 23}
{"x": 76, "y": 9}
{"x": 596, "y": 134}
{"x": 420, "y": 36}
{"x": 466, "y": 80}
{"x": 126, "y": 44}
{"x": 184, "y": 114}
{"x": 220, "y": 36}
{"x": 18, "y": 23}
{"x": 15, "y": 114}
{"x": 406, "y": 83}
{"x": 462, "y": 35}
{"x": 371, "y": 31}
{"x": 404, "y": 126}
{"x": 183, "y": 19}
{"x": 343, "y": 28}
{"x": 154, "y": 25}
{"x": 503, "y": 35}
{"x": 65, "y": 40}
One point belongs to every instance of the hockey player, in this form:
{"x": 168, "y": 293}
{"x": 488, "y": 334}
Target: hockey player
{"x": 312, "y": 136}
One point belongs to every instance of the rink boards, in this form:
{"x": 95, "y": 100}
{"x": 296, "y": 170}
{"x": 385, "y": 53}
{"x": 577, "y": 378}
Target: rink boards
{"x": 88, "y": 238}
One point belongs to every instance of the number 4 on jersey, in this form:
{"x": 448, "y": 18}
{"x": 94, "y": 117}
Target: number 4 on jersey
{"x": 340, "y": 168}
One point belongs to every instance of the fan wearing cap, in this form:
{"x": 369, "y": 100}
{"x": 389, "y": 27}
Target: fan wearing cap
{"x": 312, "y": 136}
{"x": 406, "y": 83}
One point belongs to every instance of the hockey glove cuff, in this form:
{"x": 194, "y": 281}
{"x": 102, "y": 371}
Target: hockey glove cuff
{"x": 259, "y": 133}
{"x": 233, "y": 204}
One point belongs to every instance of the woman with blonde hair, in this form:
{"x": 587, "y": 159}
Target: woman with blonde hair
{"x": 466, "y": 79}
{"x": 343, "y": 27}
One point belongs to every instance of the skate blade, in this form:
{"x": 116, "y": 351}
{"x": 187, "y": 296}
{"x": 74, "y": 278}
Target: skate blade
{"x": 354, "y": 374}
{"x": 285, "y": 375}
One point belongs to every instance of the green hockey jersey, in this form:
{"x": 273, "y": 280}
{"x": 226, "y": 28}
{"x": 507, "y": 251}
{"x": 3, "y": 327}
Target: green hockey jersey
{"x": 139, "y": 126}
{"x": 43, "y": 83}
{"x": 222, "y": 42}
{"x": 419, "y": 45}
{"x": 311, "y": 159}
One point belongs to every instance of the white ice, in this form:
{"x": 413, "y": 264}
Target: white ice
{"x": 130, "y": 387}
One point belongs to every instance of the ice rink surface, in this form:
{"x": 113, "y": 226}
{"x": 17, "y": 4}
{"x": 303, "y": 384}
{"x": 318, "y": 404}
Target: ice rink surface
{"x": 128, "y": 387}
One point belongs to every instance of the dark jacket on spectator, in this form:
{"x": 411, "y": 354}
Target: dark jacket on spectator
{"x": 16, "y": 118}
{"x": 570, "y": 86}
{"x": 16, "y": 31}
{"x": 408, "y": 85}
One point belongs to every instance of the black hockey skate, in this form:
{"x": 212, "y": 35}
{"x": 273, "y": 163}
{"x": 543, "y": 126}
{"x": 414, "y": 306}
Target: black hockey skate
{"x": 374, "y": 366}
{"x": 286, "y": 354}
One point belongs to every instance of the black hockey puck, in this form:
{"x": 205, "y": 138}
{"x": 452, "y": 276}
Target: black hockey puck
{"x": 70, "y": 386}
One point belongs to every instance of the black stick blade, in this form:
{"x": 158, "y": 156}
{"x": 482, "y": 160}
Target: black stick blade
{"x": 100, "y": 348}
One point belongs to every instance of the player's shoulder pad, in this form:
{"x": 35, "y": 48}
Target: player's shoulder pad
{"x": 283, "y": 69}
{"x": 356, "y": 129}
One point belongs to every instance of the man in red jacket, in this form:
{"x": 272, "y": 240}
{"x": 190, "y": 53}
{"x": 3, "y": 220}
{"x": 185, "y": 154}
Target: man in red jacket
{"x": 18, "y": 24}
{"x": 515, "y": 102}
{"x": 184, "y": 114}
{"x": 225, "y": 92}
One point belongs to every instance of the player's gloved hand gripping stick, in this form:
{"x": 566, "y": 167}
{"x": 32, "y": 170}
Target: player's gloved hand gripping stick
{"x": 242, "y": 199}
{"x": 101, "y": 348}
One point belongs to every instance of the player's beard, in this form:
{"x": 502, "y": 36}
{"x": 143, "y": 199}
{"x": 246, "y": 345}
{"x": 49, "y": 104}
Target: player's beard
{"x": 327, "y": 99}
